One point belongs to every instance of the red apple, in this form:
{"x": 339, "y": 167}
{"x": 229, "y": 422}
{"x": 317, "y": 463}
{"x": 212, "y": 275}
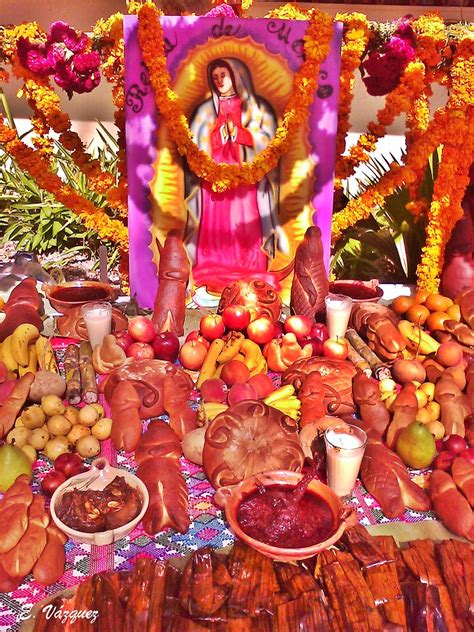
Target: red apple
{"x": 443, "y": 461}
{"x": 236, "y": 317}
{"x": 141, "y": 329}
{"x": 299, "y": 325}
{"x": 316, "y": 344}
{"x": 123, "y": 339}
{"x": 69, "y": 464}
{"x": 468, "y": 454}
{"x": 192, "y": 354}
{"x": 52, "y": 481}
{"x": 196, "y": 335}
{"x": 166, "y": 346}
{"x": 335, "y": 348}
{"x": 455, "y": 444}
{"x": 212, "y": 326}
{"x": 279, "y": 330}
{"x": 319, "y": 331}
{"x": 140, "y": 351}
{"x": 261, "y": 330}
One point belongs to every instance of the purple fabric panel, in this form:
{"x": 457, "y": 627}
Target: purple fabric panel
{"x": 182, "y": 34}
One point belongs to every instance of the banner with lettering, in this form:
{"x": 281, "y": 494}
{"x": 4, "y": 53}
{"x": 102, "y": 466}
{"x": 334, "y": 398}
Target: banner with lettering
{"x": 234, "y": 78}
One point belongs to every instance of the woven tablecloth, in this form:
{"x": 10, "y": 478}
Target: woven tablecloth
{"x": 208, "y": 528}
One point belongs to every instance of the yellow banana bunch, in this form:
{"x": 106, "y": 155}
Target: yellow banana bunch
{"x": 290, "y": 406}
{"x": 45, "y": 353}
{"x": 32, "y": 362}
{"x": 252, "y": 355}
{"x": 280, "y": 393}
{"x": 21, "y": 338}
{"x": 8, "y": 358}
{"x": 231, "y": 347}
{"x": 210, "y": 361}
{"x": 210, "y": 410}
{"x": 262, "y": 367}
{"x": 418, "y": 340}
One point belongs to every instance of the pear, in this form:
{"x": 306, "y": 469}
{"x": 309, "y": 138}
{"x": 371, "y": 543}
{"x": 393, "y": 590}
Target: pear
{"x": 416, "y": 445}
{"x": 13, "y": 462}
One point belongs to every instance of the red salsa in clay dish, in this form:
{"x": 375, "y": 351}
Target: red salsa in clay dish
{"x": 278, "y": 516}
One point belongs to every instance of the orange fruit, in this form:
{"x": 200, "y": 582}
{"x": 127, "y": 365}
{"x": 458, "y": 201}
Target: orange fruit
{"x": 449, "y": 353}
{"x": 421, "y": 296}
{"x": 401, "y": 304}
{"x": 418, "y": 314}
{"x": 454, "y": 313}
{"x": 438, "y": 302}
{"x": 435, "y": 321}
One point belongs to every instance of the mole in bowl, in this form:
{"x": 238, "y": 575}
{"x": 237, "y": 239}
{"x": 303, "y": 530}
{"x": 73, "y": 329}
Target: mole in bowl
{"x": 92, "y": 511}
{"x": 279, "y": 516}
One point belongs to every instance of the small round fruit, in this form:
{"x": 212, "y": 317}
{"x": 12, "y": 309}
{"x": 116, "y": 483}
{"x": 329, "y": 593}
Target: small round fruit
{"x": 434, "y": 410}
{"x": 438, "y": 303}
{"x": 52, "y": 405}
{"x": 77, "y": 432}
{"x": 418, "y": 314}
{"x": 102, "y": 429}
{"x": 58, "y": 426}
{"x": 30, "y": 452}
{"x": 420, "y": 296}
{"x": 192, "y": 354}
{"x": 402, "y": 304}
{"x": 69, "y": 464}
{"x": 387, "y": 385}
{"x": 19, "y": 423}
{"x": 455, "y": 444}
{"x": 88, "y": 447}
{"x": 435, "y": 321}
{"x": 437, "y": 429}
{"x": 454, "y": 313}
{"x": 19, "y": 436}
{"x": 421, "y": 397}
{"x": 88, "y": 416}
{"x": 100, "y": 409}
{"x": 428, "y": 388}
{"x": 423, "y": 416}
{"x": 443, "y": 461}
{"x": 72, "y": 415}
{"x": 235, "y": 372}
{"x": 52, "y": 481}
{"x": 39, "y": 438}
{"x": 57, "y": 446}
{"x": 33, "y": 417}
{"x": 213, "y": 390}
{"x": 449, "y": 353}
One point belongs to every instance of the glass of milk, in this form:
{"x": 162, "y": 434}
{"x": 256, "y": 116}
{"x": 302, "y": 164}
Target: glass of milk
{"x": 338, "y": 312}
{"x": 98, "y": 320}
{"x": 345, "y": 447}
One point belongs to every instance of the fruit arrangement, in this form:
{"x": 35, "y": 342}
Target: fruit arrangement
{"x": 55, "y": 428}
{"x": 142, "y": 341}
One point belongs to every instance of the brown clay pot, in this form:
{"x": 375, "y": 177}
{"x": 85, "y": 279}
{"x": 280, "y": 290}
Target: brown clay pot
{"x": 230, "y": 498}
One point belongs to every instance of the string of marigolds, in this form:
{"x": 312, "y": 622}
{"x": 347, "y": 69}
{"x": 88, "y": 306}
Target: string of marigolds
{"x": 224, "y": 176}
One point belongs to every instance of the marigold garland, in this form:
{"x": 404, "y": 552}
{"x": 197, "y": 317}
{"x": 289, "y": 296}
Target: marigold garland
{"x": 109, "y": 40}
{"x": 224, "y": 176}
{"x": 31, "y": 161}
{"x": 355, "y": 40}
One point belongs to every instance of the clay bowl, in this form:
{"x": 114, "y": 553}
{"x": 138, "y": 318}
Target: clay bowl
{"x": 231, "y": 497}
{"x": 73, "y": 294}
{"x": 366, "y": 291}
{"x": 97, "y": 478}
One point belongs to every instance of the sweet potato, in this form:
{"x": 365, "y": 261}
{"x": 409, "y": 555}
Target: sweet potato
{"x": 47, "y": 383}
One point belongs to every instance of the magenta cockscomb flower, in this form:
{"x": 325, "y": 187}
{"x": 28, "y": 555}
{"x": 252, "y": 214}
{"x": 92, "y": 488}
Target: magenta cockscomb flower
{"x": 384, "y": 66}
{"x": 221, "y": 10}
{"x": 63, "y": 56}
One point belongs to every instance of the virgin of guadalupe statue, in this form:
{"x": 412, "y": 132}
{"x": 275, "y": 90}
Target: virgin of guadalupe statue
{"x": 232, "y": 235}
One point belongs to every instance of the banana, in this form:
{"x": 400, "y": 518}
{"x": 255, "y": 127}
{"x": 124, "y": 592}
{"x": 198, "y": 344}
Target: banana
{"x": 45, "y": 353}
{"x": 238, "y": 357}
{"x": 32, "y": 362}
{"x": 8, "y": 358}
{"x": 252, "y": 354}
{"x": 21, "y": 338}
{"x": 294, "y": 414}
{"x": 291, "y": 403}
{"x": 210, "y": 361}
{"x": 212, "y": 409}
{"x": 281, "y": 393}
{"x": 418, "y": 340}
{"x": 232, "y": 347}
{"x": 262, "y": 367}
